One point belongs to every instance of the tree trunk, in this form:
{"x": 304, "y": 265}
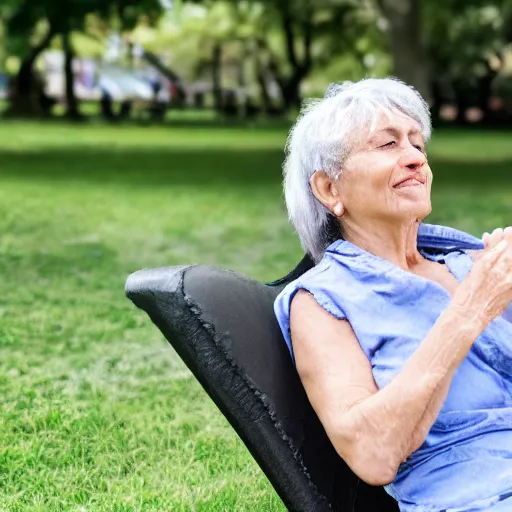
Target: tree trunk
{"x": 295, "y": 31}
{"x": 484, "y": 92}
{"x": 407, "y": 48}
{"x": 71, "y": 99}
{"x": 462, "y": 98}
{"x": 242, "y": 81}
{"x": 216, "y": 76}
{"x": 267, "y": 68}
{"x": 3, "y": 40}
{"x": 291, "y": 90}
{"x": 28, "y": 90}
{"x": 262, "y": 83}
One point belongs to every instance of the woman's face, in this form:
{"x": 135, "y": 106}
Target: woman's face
{"x": 386, "y": 175}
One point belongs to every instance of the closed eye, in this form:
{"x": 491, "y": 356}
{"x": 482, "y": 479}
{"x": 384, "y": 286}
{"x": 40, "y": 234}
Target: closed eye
{"x": 392, "y": 143}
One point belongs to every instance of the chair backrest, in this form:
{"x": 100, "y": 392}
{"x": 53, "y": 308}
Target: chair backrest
{"x": 223, "y": 326}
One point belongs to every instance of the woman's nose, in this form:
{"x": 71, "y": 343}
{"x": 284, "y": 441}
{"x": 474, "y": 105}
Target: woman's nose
{"x": 412, "y": 158}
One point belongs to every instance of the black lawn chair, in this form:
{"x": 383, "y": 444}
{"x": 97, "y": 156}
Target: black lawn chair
{"x": 222, "y": 325}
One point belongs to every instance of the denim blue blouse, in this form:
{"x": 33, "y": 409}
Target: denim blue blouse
{"x": 465, "y": 463}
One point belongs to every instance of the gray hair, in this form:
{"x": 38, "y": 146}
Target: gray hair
{"x": 322, "y": 138}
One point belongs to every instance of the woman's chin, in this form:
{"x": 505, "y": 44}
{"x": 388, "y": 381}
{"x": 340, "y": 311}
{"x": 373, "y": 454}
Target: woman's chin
{"x": 416, "y": 210}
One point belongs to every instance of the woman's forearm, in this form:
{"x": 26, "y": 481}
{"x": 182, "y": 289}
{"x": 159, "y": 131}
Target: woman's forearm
{"x": 456, "y": 333}
{"x": 395, "y": 421}
{"x": 429, "y": 417}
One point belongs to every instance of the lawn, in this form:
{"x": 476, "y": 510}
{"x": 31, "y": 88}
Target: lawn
{"x": 97, "y": 411}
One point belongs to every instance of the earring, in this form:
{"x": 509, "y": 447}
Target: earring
{"x": 338, "y": 210}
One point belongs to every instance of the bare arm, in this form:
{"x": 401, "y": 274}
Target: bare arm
{"x": 438, "y": 398}
{"x": 372, "y": 430}
{"x": 375, "y": 430}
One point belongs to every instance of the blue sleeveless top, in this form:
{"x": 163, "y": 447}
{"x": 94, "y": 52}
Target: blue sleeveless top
{"x": 465, "y": 463}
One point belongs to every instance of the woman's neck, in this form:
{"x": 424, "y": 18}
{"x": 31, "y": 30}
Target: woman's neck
{"x": 396, "y": 243}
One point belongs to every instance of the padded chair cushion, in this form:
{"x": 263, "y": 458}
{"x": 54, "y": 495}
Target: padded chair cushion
{"x": 223, "y": 327}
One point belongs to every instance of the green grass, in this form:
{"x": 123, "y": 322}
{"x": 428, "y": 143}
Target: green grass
{"x": 97, "y": 411}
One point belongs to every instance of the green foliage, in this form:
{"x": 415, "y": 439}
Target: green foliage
{"x": 461, "y": 37}
{"x": 191, "y": 32}
{"x": 293, "y": 42}
{"x": 98, "y": 413}
{"x": 286, "y": 41}
{"x": 67, "y": 15}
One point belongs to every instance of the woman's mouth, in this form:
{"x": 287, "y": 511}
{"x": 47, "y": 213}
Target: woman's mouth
{"x": 409, "y": 182}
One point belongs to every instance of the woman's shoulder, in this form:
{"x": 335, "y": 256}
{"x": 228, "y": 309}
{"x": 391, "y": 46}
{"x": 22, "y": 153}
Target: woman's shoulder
{"x": 322, "y": 272}
{"x": 322, "y": 282}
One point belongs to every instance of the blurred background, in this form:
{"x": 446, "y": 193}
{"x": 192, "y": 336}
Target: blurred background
{"x": 145, "y": 60}
{"x": 147, "y": 133}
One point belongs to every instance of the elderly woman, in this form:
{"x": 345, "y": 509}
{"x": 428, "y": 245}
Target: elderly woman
{"x": 400, "y": 333}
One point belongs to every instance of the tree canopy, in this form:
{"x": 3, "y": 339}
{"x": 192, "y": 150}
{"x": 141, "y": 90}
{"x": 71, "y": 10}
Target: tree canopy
{"x": 274, "y": 50}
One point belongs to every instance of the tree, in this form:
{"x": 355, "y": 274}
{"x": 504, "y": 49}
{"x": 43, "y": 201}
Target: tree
{"x": 27, "y": 91}
{"x": 303, "y": 24}
{"x": 62, "y": 18}
{"x": 287, "y": 39}
{"x": 449, "y": 50}
{"x": 406, "y": 42}
{"x": 465, "y": 42}
{"x": 211, "y": 42}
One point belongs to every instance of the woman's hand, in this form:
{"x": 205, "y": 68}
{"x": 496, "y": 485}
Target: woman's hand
{"x": 490, "y": 240}
{"x": 487, "y": 290}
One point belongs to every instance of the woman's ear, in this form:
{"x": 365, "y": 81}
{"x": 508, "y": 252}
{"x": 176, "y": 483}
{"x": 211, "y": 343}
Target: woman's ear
{"x": 325, "y": 191}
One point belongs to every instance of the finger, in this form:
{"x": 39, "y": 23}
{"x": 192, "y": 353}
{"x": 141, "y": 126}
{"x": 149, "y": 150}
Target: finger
{"x": 496, "y": 252}
{"x": 508, "y": 232}
{"x": 485, "y": 239}
{"x": 495, "y": 237}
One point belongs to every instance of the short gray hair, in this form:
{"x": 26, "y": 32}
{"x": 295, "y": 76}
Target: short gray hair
{"x": 323, "y": 136}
